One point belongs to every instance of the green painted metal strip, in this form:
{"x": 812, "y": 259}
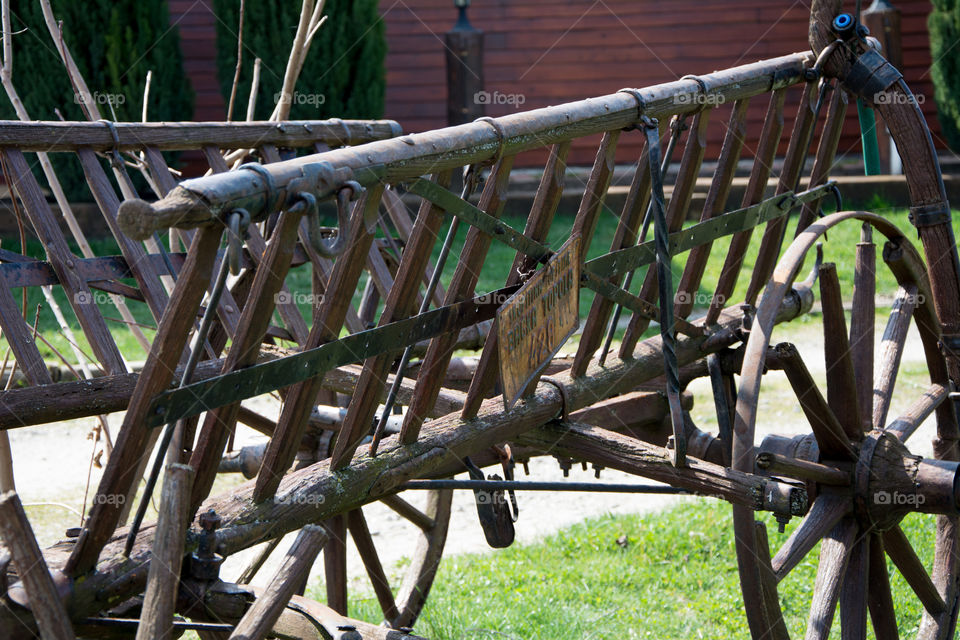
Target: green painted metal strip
{"x": 269, "y": 376}
{"x": 477, "y": 218}
{"x": 717, "y": 227}
{"x": 636, "y": 304}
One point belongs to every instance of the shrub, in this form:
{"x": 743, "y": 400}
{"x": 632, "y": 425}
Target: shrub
{"x": 114, "y": 43}
{"x": 944, "y": 27}
{"x": 343, "y": 75}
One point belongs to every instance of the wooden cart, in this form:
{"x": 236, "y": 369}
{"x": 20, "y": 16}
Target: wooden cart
{"x": 851, "y": 480}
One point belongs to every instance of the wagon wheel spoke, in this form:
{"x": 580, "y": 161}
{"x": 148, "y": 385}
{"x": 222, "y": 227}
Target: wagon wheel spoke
{"x": 853, "y": 597}
{"x": 825, "y": 512}
{"x": 841, "y": 378}
{"x": 335, "y": 564}
{"x": 863, "y": 320}
{"x": 830, "y": 435}
{"x": 908, "y": 423}
{"x": 360, "y": 533}
{"x": 900, "y": 550}
{"x": 409, "y": 512}
{"x": 879, "y": 597}
{"x": 891, "y": 350}
{"x": 834, "y": 554}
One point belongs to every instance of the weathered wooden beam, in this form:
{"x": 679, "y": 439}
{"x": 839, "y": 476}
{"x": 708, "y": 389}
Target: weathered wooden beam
{"x": 415, "y": 155}
{"x": 266, "y": 609}
{"x": 163, "y": 580}
{"x": 610, "y": 449}
{"x": 179, "y": 136}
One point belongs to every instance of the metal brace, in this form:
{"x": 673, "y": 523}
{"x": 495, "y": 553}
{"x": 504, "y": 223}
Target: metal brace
{"x": 929, "y": 215}
{"x": 493, "y": 510}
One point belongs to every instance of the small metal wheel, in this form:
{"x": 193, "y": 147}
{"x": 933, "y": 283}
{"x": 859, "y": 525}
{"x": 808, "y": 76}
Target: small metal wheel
{"x": 862, "y": 478}
{"x": 402, "y": 606}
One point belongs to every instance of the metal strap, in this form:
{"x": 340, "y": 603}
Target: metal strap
{"x": 928, "y": 215}
{"x": 501, "y": 138}
{"x": 707, "y": 231}
{"x": 661, "y": 235}
{"x": 269, "y": 376}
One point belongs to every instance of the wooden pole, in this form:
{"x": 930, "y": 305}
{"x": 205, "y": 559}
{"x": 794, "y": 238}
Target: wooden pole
{"x": 266, "y": 610}
{"x": 156, "y": 621}
{"x": 45, "y": 604}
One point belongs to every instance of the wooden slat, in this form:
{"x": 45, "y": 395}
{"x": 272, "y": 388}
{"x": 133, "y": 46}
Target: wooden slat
{"x": 328, "y": 320}
{"x": 863, "y": 323}
{"x": 48, "y": 609}
{"x": 400, "y": 303}
{"x": 461, "y": 287}
{"x": 759, "y": 174}
{"x": 634, "y": 208}
{"x": 257, "y": 247}
{"x": 696, "y": 261}
{"x": 58, "y": 253}
{"x": 793, "y": 164}
{"x": 541, "y": 216}
{"x": 826, "y": 153}
{"x": 397, "y": 211}
{"x": 20, "y": 338}
{"x": 146, "y": 275}
{"x": 891, "y": 350}
{"x": 254, "y": 322}
{"x": 156, "y": 375}
{"x": 335, "y": 564}
{"x": 163, "y": 579}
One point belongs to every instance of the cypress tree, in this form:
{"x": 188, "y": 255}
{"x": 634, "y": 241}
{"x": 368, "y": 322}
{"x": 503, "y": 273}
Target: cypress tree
{"x": 944, "y": 27}
{"x": 114, "y": 43}
{"x": 343, "y": 75}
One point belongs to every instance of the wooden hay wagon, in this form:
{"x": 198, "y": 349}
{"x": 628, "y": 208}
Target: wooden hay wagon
{"x": 850, "y": 480}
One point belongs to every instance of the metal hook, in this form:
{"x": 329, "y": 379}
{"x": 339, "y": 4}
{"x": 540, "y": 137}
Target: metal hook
{"x": 236, "y": 230}
{"x": 326, "y": 247}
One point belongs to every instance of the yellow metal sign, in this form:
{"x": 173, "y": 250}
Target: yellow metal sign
{"x": 537, "y": 320}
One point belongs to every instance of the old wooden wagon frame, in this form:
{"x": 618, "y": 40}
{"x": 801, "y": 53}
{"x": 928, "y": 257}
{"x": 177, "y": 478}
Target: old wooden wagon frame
{"x": 623, "y": 408}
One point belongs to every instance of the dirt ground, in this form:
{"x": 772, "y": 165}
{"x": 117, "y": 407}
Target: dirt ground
{"x": 51, "y": 464}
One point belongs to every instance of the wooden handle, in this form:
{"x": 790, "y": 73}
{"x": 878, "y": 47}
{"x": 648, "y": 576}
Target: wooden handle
{"x": 181, "y": 209}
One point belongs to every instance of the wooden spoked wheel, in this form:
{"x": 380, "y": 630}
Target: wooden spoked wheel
{"x": 856, "y": 464}
{"x": 400, "y": 606}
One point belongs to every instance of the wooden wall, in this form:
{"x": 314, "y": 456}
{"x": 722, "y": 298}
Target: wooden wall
{"x": 545, "y": 52}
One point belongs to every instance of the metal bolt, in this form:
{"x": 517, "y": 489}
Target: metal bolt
{"x": 782, "y": 521}
{"x": 209, "y": 522}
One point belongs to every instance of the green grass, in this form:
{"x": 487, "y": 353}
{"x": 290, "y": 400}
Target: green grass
{"x": 676, "y": 578}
